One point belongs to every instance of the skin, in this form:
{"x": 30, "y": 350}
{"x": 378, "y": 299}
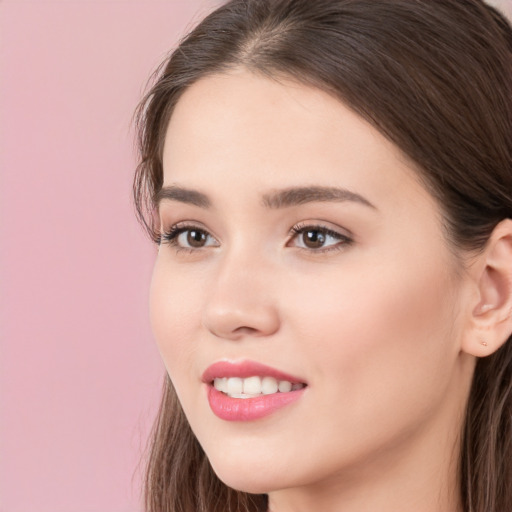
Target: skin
{"x": 376, "y": 327}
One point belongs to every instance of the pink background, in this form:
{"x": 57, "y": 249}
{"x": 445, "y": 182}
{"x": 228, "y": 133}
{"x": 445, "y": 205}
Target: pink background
{"x": 79, "y": 373}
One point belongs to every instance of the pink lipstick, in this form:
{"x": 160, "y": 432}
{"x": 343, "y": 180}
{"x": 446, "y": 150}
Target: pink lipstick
{"x": 246, "y": 390}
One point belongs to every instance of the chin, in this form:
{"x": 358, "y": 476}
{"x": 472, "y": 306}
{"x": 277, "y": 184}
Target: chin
{"x": 246, "y": 477}
{"x": 252, "y": 484}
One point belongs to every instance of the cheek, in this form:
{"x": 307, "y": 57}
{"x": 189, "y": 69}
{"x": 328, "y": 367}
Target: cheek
{"x": 379, "y": 339}
{"x": 356, "y": 303}
{"x": 174, "y": 312}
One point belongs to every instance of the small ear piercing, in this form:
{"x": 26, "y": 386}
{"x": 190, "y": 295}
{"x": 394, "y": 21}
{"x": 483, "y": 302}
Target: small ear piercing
{"x": 485, "y": 307}
{"x": 483, "y": 342}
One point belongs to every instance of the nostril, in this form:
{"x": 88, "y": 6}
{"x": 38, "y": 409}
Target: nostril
{"x": 245, "y": 319}
{"x": 246, "y": 330}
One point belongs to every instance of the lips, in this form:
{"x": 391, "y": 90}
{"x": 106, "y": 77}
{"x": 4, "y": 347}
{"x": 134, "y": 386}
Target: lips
{"x": 230, "y": 401}
{"x": 243, "y": 370}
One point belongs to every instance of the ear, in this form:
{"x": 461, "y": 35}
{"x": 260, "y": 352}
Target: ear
{"x": 490, "y": 323}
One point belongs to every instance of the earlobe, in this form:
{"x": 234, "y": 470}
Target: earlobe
{"x": 491, "y": 317}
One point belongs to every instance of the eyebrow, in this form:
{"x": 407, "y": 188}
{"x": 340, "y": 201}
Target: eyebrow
{"x": 301, "y": 195}
{"x": 183, "y": 195}
{"x": 285, "y": 198}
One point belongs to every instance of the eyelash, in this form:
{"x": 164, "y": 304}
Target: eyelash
{"x": 171, "y": 236}
{"x": 343, "y": 240}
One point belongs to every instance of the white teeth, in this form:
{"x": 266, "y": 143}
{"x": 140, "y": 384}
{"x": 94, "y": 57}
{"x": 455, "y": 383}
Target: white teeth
{"x": 221, "y": 384}
{"x": 284, "y": 386}
{"x": 268, "y": 385}
{"x": 250, "y": 387}
{"x": 235, "y": 386}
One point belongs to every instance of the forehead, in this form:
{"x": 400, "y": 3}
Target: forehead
{"x": 265, "y": 133}
{"x": 263, "y": 114}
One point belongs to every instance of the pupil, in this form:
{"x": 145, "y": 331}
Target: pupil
{"x": 314, "y": 239}
{"x": 196, "y": 238}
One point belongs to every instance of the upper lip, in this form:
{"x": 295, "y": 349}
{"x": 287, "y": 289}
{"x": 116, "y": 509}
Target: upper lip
{"x": 243, "y": 369}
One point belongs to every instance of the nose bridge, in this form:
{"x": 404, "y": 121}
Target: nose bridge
{"x": 240, "y": 301}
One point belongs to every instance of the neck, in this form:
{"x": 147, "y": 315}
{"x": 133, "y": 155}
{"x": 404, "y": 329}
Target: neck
{"x": 398, "y": 485}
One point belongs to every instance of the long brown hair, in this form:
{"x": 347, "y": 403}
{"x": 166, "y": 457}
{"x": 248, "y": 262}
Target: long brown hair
{"x": 434, "y": 77}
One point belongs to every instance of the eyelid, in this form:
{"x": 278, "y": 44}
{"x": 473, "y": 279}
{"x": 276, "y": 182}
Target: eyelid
{"x": 171, "y": 234}
{"x": 344, "y": 240}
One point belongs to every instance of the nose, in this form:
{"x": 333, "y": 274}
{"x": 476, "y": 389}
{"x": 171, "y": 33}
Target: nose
{"x": 241, "y": 301}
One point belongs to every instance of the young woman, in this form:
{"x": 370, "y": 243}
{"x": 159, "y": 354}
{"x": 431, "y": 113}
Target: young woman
{"x": 330, "y": 186}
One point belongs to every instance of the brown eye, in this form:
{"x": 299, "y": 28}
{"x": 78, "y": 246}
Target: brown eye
{"x": 318, "y": 238}
{"x": 188, "y": 237}
{"x": 313, "y": 238}
{"x": 196, "y": 238}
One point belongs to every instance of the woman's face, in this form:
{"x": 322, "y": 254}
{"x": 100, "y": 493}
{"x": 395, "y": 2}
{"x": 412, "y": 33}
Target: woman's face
{"x": 297, "y": 237}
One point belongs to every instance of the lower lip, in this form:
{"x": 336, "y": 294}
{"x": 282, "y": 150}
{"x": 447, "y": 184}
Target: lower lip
{"x": 249, "y": 409}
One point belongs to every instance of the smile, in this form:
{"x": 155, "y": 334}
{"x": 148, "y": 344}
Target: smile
{"x": 247, "y": 390}
{"x": 251, "y": 387}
